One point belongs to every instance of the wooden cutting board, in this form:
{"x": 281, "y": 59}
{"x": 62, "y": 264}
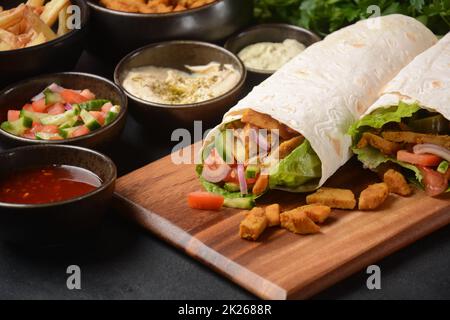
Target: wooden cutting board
{"x": 280, "y": 265}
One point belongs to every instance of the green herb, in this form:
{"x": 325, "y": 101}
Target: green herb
{"x": 326, "y": 16}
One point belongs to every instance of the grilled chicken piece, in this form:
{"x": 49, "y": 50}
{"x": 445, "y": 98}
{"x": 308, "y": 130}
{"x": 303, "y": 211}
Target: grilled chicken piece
{"x": 265, "y": 121}
{"x": 385, "y": 146}
{"x": 417, "y": 138}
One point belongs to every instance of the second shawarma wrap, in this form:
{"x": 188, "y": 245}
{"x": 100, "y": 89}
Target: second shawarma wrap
{"x": 407, "y": 128}
{"x": 298, "y": 118}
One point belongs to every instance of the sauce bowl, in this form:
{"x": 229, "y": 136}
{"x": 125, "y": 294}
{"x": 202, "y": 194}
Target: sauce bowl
{"x": 57, "y": 222}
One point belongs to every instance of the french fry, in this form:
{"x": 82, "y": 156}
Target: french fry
{"x": 5, "y": 47}
{"x": 11, "y": 17}
{"x": 8, "y": 38}
{"x": 62, "y": 22}
{"x": 35, "y": 3}
{"x": 40, "y": 38}
{"x": 51, "y": 11}
{"x": 39, "y": 26}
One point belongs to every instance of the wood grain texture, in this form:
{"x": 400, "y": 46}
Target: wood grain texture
{"x": 280, "y": 265}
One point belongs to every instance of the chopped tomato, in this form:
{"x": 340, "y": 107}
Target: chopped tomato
{"x": 36, "y": 127}
{"x": 435, "y": 183}
{"x": 81, "y": 131}
{"x": 205, "y": 201}
{"x": 39, "y": 105}
{"x": 99, "y": 116}
{"x": 57, "y": 108}
{"x": 71, "y": 96}
{"x": 233, "y": 177}
{"x": 106, "y": 107}
{"x": 28, "y": 107}
{"x": 13, "y": 115}
{"x": 29, "y": 134}
{"x": 427, "y": 160}
{"x": 49, "y": 129}
{"x": 87, "y": 94}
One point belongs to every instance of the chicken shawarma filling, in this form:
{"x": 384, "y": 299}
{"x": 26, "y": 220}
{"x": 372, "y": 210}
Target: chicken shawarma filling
{"x": 410, "y": 137}
{"x": 248, "y": 156}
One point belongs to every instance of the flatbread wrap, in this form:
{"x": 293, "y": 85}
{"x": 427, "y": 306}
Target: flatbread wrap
{"x": 306, "y": 108}
{"x": 408, "y": 126}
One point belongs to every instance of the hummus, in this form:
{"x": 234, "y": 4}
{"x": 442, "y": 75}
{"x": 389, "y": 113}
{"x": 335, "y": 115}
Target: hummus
{"x": 270, "y": 56}
{"x": 172, "y": 86}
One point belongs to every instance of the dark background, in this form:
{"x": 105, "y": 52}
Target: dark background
{"x": 123, "y": 261}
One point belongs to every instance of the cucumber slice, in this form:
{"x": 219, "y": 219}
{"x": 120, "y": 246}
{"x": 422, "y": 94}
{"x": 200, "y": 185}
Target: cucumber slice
{"x": 46, "y": 136}
{"x": 51, "y": 97}
{"x": 18, "y": 126}
{"x": 112, "y": 115}
{"x": 59, "y": 119}
{"x": 89, "y": 120}
{"x": 232, "y": 187}
{"x": 239, "y": 203}
{"x": 251, "y": 171}
{"x": 35, "y": 116}
{"x": 67, "y": 132}
{"x": 72, "y": 122}
{"x": 93, "y": 105}
{"x": 443, "y": 167}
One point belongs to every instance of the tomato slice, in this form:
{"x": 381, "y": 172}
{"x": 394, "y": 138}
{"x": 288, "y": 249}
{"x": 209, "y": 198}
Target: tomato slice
{"x": 205, "y": 201}
{"x": 49, "y": 129}
{"x": 99, "y": 116}
{"x": 81, "y": 131}
{"x": 426, "y": 160}
{"x": 39, "y": 105}
{"x": 435, "y": 183}
{"x": 29, "y": 134}
{"x": 70, "y": 96}
{"x": 13, "y": 115}
{"x": 57, "y": 108}
{"x": 106, "y": 107}
{"x": 88, "y": 94}
{"x": 28, "y": 107}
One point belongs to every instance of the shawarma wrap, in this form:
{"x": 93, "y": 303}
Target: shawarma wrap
{"x": 408, "y": 126}
{"x": 306, "y": 108}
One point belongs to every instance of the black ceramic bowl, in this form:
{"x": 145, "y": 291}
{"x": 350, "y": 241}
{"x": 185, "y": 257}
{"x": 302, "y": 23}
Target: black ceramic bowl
{"x": 177, "y": 54}
{"x": 15, "y": 96}
{"x": 60, "y": 54}
{"x": 268, "y": 33}
{"x": 60, "y": 221}
{"x": 113, "y": 34}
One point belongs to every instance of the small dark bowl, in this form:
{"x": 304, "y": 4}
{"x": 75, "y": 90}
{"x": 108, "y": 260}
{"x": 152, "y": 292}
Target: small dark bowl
{"x": 60, "y": 54}
{"x": 177, "y": 54}
{"x": 15, "y": 96}
{"x": 60, "y": 221}
{"x": 113, "y": 34}
{"x": 268, "y": 33}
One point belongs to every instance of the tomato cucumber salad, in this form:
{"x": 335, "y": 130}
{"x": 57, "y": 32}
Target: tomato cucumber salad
{"x": 58, "y": 113}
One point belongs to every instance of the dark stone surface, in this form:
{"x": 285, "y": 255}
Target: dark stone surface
{"x": 124, "y": 262}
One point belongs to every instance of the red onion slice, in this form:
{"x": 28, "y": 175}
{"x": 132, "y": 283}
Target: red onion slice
{"x": 241, "y": 177}
{"x": 55, "y": 88}
{"x": 215, "y": 169}
{"x": 38, "y": 97}
{"x": 433, "y": 149}
{"x": 68, "y": 106}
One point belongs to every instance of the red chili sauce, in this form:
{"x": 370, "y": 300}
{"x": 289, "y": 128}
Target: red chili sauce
{"x": 47, "y": 184}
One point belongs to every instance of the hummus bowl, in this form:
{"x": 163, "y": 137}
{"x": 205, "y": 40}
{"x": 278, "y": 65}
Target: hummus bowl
{"x": 177, "y": 55}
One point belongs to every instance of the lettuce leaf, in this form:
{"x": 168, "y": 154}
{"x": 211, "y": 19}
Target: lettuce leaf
{"x": 380, "y": 117}
{"x": 298, "y": 172}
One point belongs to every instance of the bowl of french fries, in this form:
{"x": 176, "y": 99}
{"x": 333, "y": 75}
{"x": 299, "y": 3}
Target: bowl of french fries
{"x": 118, "y": 27}
{"x": 40, "y": 36}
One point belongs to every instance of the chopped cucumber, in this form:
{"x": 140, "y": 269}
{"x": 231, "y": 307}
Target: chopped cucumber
{"x": 93, "y": 105}
{"x": 59, "y": 119}
{"x": 89, "y": 120}
{"x": 443, "y": 167}
{"x": 112, "y": 115}
{"x": 239, "y": 203}
{"x": 46, "y": 136}
{"x": 224, "y": 145}
{"x": 35, "y": 116}
{"x": 251, "y": 171}
{"x": 232, "y": 187}
{"x": 51, "y": 97}
{"x": 72, "y": 122}
{"x": 67, "y": 132}
{"x": 18, "y": 126}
